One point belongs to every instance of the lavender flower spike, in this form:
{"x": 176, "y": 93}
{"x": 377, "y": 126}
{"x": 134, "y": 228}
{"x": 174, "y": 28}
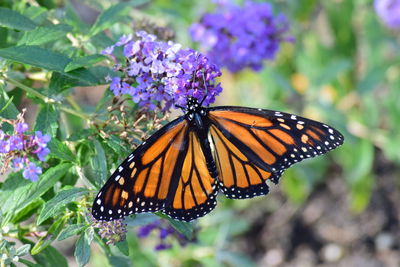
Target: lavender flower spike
{"x": 241, "y": 37}
{"x": 160, "y": 74}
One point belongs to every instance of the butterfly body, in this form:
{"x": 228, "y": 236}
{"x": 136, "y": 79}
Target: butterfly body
{"x": 235, "y": 150}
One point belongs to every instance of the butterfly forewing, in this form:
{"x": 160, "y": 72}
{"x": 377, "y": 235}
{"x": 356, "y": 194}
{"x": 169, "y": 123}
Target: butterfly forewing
{"x": 145, "y": 179}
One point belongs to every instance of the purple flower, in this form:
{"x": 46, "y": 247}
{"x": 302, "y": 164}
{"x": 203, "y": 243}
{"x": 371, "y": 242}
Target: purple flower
{"x": 21, "y": 127}
{"x": 146, "y": 37}
{"x": 145, "y": 231}
{"x": 124, "y": 39}
{"x": 16, "y": 142}
{"x": 164, "y": 232}
{"x": 241, "y": 37}
{"x": 115, "y": 85}
{"x": 18, "y": 164}
{"x": 162, "y": 246}
{"x": 42, "y": 153}
{"x": 162, "y": 72}
{"x": 108, "y": 51}
{"x": 112, "y": 231}
{"x": 389, "y": 12}
{"x": 41, "y": 140}
{"x": 20, "y": 149}
{"x": 5, "y": 146}
{"x": 31, "y": 172}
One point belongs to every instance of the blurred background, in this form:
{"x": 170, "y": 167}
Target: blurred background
{"x": 340, "y": 209}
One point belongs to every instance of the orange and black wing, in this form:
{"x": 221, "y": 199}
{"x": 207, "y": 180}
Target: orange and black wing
{"x": 195, "y": 195}
{"x": 167, "y": 173}
{"x": 143, "y": 182}
{"x": 252, "y": 146}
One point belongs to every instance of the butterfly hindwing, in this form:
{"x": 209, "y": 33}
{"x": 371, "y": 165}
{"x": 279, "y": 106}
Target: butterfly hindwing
{"x": 266, "y": 140}
{"x": 238, "y": 176}
{"x": 196, "y": 192}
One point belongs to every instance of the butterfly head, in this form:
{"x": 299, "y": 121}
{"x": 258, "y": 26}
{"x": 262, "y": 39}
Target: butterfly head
{"x": 194, "y": 109}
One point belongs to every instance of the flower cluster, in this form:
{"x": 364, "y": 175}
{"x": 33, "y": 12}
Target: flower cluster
{"x": 21, "y": 149}
{"x": 156, "y": 73}
{"x": 389, "y": 12}
{"x": 241, "y": 37}
{"x": 113, "y": 231}
{"x": 164, "y": 230}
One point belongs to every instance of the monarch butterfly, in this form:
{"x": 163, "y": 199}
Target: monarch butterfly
{"x": 180, "y": 168}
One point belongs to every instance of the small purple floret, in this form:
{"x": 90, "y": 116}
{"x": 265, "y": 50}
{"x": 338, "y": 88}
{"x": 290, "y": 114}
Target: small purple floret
{"x": 389, "y": 12}
{"x": 32, "y": 171}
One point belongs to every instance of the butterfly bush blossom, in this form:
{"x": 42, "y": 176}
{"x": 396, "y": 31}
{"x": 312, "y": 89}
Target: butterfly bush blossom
{"x": 164, "y": 231}
{"x": 157, "y": 73}
{"x": 22, "y": 150}
{"x": 389, "y": 12}
{"x": 238, "y": 37}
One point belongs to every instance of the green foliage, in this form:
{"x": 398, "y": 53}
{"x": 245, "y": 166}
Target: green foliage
{"x": 342, "y": 69}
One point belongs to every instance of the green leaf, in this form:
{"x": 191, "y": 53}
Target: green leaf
{"x": 83, "y": 77}
{"x": 82, "y": 249}
{"x": 101, "y": 40}
{"x": 106, "y": 98}
{"x": 84, "y": 62}
{"x": 109, "y": 17}
{"x": 45, "y": 34}
{"x": 47, "y": 120}
{"x": 78, "y": 77}
{"x": 38, "y": 14}
{"x": 28, "y": 211}
{"x": 82, "y": 134}
{"x": 123, "y": 247}
{"x": 19, "y": 192}
{"x": 141, "y": 219}
{"x": 28, "y": 263}
{"x": 118, "y": 261}
{"x": 23, "y": 250}
{"x": 14, "y": 20}
{"x": 72, "y": 230}
{"x": 60, "y": 150}
{"x": 8, "y": 110}
{"x": 50, "y": 236}
{"x": 99, "y": 163}
{"x": 3, "y": 37}
{"x": 50, "y": 257}
{"x": 186, "y": 228}
{"x": 118, "y": 145}
{"x": 36, "y": 56}
{"x": 5, "y": 106}
{"x": 59, "y": 82}
{"x": 59, "y": 202}
{"x": 360, "y": 193}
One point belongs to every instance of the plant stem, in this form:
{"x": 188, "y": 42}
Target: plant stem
{"x": 46, "y": 99}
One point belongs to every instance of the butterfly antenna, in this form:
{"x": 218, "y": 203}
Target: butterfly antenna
{"x": 179, "y": 106}
{"x": 205, "y": 86}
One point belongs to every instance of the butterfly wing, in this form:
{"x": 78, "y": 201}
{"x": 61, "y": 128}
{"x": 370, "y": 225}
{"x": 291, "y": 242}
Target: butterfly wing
{"x": 166, "y": 173}
{"x": 143, "y": 182}
{"x": 254, "y": 145}
{"x": 197, "y": 188}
